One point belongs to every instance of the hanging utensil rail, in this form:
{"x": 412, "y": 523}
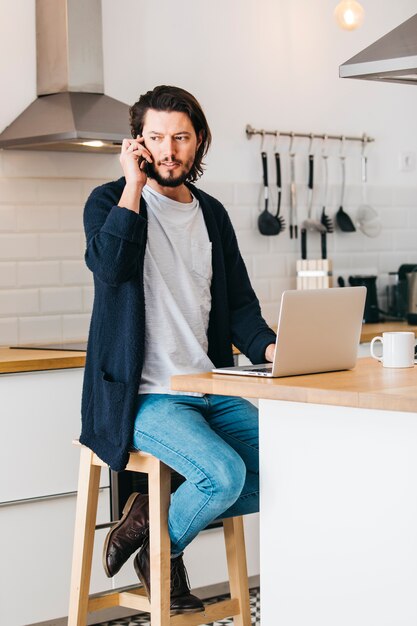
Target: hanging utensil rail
{"x": 250, "y": 131}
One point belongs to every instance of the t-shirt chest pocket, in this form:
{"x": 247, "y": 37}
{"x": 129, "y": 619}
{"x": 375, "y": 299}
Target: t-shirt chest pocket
{"x": 201, "y": 260}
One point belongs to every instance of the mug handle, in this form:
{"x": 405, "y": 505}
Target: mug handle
{"x": 373, "y": 355}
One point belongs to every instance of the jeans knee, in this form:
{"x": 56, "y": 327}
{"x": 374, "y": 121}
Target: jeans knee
{"x": 229, "y": 478}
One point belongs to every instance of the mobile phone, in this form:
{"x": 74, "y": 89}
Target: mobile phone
{"x": 147, "y": 164}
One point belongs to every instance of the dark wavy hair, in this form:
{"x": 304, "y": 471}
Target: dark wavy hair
{"x": 166, "y": 98}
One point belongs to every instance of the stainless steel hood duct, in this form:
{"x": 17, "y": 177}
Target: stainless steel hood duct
{"x": 71, "y": 108}
{"x": 392, "y": 58}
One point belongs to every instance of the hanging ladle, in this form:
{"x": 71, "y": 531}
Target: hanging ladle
{"x": 343, "y": 220}
{"x": 267, "y": 223}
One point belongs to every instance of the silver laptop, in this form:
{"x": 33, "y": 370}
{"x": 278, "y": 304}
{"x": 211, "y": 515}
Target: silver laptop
{"x": 318, "y": 331}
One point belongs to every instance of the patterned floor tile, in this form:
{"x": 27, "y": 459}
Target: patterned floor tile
{"x": 143, "y": 620}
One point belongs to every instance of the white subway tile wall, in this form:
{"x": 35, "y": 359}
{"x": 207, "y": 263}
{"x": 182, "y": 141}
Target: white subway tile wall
{"x": 46, "y": 291}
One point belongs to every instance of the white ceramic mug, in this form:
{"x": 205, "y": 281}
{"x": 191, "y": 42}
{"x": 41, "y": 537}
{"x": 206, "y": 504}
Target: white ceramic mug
{"x": 397, "y": 349}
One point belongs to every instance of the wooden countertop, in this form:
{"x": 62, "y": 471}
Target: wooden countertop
{"x": 369, "y": 331}
{"x": 26, "y": 360}
{"x": 368, "y": 385}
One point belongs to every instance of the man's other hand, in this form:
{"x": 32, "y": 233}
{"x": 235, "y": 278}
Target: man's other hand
{"x": 269, "y": 352}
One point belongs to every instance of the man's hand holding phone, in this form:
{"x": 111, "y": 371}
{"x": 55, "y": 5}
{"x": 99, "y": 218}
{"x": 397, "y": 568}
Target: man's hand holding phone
{"x": 133, "y": 159}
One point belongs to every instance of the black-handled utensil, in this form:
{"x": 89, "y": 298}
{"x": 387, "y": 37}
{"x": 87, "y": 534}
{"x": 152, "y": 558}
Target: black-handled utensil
{"x": 344, "y": 220}
{"x": 304, "y": 244}
{"x": 323, "y": 245}
{"x": 278, "y": 217}
{"x": 278, "y": 169}
{"x": 267, "y": 223}
{"x": 325, "y": 219}
{"x": 265, "y": 168}
{"x": 310, "y": 174}
{"x": 293, "y": 200}
{"x": 310, "y": 223}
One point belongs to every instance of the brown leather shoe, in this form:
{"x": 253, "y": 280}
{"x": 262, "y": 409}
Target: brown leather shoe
{"x": 182, "y": 601}
{"x": 127, "y": 535}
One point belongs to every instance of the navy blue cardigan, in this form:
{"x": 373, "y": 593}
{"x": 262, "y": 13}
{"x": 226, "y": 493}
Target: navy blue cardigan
{"x": 116, "y": 240}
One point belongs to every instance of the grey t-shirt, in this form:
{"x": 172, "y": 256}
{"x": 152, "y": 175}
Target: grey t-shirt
{"x": 177, "y": 279}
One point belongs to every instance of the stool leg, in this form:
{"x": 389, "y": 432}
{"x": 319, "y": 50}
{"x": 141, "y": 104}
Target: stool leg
{"x": 236, "y": 563}
{"x": 160, "y": 544}
{"x": 85, "y": 520}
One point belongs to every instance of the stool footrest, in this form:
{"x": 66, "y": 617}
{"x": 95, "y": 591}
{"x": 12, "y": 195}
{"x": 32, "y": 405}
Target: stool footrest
{"x": 135, "y": 598}
{"x": 212, "y": 613}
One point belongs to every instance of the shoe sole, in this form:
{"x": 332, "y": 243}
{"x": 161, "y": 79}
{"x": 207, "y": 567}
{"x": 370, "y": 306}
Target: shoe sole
{"x": 142, "y": 580}
{"x": 126, "y": 510}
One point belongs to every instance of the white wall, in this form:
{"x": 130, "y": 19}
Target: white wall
{"x": 270, "y": 63}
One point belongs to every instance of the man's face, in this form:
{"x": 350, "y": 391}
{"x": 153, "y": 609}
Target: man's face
{"x": 171, "y": 139}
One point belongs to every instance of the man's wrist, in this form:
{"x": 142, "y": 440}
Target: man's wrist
{"x": 134, "y": 187}
{"x": 131, "y": 196}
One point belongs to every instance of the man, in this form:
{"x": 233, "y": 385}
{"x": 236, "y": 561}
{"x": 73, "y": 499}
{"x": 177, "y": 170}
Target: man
{"x": 171, "y": 296}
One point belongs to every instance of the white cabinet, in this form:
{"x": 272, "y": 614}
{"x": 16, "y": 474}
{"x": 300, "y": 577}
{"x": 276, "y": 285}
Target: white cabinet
{"x": 40, "y": 416}
{"x": 36, "y": 540}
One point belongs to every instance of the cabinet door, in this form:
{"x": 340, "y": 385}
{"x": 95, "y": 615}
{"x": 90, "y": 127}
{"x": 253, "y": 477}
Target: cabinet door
{"x": 36, "y": 541}
{"x": 41, "y": 415}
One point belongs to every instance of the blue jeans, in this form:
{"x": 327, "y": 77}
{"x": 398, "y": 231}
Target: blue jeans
{"x": 213, "y": 442}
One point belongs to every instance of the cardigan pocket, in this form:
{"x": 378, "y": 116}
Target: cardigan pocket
{"x": 108, "y": 409}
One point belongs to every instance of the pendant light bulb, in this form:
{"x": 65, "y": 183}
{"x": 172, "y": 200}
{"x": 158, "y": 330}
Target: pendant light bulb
{"x": 349, "y": 14}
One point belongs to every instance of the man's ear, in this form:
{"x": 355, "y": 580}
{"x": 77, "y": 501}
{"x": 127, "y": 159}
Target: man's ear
{"x": 200, "y": 138}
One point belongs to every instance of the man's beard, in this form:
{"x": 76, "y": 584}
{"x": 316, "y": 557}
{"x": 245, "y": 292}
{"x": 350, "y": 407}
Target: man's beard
{"x": 169, "y": 181}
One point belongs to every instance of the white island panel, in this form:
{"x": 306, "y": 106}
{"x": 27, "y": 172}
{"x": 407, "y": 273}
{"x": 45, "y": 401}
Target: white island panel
{"x": 338, "y": 516}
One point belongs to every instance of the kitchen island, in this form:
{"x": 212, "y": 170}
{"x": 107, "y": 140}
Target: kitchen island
{"x": 338, "y": 522}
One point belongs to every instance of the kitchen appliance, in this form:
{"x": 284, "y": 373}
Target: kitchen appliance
{"x": 396, "y": 301}
{"x": 392, "y": 58}
{"x": 412, "y": 296}
{"x": 71, "y": 112}
{"x": 371, "y": 312}
{"x": 398, "y": 291}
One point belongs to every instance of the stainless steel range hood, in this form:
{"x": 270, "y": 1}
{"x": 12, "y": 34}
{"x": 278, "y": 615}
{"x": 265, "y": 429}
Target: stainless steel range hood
{"x": 392, "y": 58}
{"x": 71, "y": 109}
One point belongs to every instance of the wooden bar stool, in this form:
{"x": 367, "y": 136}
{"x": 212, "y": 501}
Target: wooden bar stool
{"x": 159, "y": 476}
